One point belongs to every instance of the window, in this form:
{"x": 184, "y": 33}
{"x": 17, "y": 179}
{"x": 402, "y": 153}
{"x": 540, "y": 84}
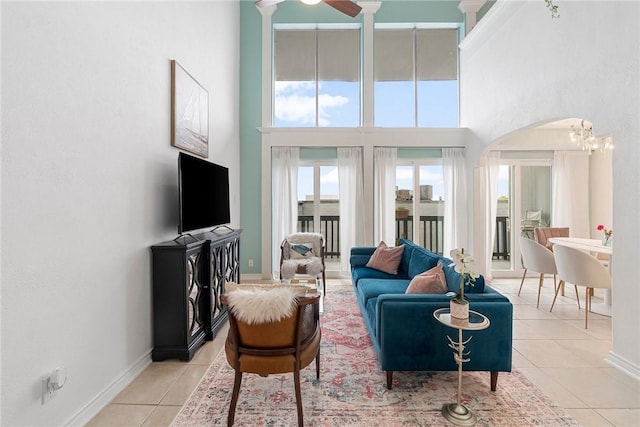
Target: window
{"x": 416, "y": 77}
{"x": 317, "y": 78}
{"x": 423, "y": 195}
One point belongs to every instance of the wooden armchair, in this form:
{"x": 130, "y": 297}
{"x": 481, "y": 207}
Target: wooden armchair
{"x": 280, "y": 343}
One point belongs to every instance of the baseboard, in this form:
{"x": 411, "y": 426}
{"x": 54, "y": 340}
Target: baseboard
{"x": 102, "y": 399}
{"x": 624, "y": 365}
{"x": 251, "y": 277}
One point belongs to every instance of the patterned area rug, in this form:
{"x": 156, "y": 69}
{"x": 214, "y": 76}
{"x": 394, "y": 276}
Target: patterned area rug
{"x": 352, "y": 392}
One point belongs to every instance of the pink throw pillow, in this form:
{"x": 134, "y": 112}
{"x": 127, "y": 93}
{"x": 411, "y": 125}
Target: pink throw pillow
{"x": 386, "y": 259}
{"x": 430, "y": 282}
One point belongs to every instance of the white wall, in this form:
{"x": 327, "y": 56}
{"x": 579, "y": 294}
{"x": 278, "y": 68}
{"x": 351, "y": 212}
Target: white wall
{"x": 89, "y": 183}
{"x": 520, "y": 67}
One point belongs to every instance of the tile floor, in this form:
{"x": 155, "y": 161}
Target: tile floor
{"x": 553, "y": 350}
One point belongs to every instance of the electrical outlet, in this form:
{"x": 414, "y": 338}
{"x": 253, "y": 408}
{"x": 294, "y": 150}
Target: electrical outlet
{"x": 53, "y": 383}
{"x": 47, "y": 393}
{"x": 251, "y": 263}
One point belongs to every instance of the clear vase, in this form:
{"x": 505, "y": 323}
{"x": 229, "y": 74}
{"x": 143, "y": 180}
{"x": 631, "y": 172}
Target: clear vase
{"x": 606, "y": 241}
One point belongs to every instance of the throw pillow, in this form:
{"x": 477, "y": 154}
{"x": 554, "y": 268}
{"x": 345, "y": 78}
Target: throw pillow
{"x": 301, "y": 250}
{"x": 386, "y": 259}
{"x": 431, "y": 281}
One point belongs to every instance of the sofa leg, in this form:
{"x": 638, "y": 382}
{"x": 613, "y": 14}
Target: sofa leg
{"x": 494, "y": 380}
{"x": 389, "y": 379}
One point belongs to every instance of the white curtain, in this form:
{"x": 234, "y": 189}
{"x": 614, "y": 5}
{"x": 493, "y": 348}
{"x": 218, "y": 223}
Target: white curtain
{"x": 284, "y": 189}
{"x": 570, "y": 192}
{"x": 492, "y": 171}
{"x": 384, "y": 187}
{"x": 455, "y": 199}
{"x": 351, "y": 188}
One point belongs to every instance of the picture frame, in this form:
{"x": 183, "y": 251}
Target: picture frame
{"x": 189, "y": 112}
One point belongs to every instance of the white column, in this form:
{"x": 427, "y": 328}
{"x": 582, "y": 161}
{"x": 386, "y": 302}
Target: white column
{"x": 267, "y": 56}
{"x": 470, "y": 8}
{"x": 369, "y": 8}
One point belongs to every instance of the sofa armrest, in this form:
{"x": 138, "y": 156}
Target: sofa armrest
{"x": 360, "y": 255}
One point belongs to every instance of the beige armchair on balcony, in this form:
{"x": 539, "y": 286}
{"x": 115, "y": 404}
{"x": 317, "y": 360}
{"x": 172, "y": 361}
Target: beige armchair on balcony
{"x": 303, "y": 253}
{"x": 532, "y": 219}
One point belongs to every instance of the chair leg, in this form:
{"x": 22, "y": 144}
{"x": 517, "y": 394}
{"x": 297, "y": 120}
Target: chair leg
{"x": 587, "y": 303}
{"x": 318, "y": 364}
{"x": 540, "y": 288}
{"x": 389, "y": 379}
{"x": 324, "y": 284}
{"x": 494, "y": 380}
{"x": 522, "y": 281}
{"x": 577, "y": 297}
{"x": 234, "y": 397}
{"x": 296, "y": 383}
{"x": 560, "y": 285}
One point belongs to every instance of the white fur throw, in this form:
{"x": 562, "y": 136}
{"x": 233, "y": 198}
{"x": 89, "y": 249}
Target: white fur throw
{"x": 262, "y": 304}
{"x": 312, "y": 266}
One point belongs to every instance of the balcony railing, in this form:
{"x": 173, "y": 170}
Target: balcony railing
{"x": 330, "y": 229}
{"x": 431, "y": 231}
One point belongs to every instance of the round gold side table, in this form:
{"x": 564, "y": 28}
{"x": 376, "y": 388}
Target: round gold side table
{"x": 457, "y": 413}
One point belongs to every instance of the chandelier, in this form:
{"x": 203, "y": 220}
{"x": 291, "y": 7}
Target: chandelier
{"x": 583, "y": 136}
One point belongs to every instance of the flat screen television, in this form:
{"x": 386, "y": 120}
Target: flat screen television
{"x": 203, "y": 192}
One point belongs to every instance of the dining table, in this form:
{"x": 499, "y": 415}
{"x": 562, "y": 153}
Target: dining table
{"x": 593, "y": 246}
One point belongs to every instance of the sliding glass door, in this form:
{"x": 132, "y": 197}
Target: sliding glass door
{"x": 524, "y": 202}
{"x": 318, "y": 206}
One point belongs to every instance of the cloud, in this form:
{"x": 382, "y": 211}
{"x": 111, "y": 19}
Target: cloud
{"x": 295, "y": 103}
{"x": 327, "y": 102}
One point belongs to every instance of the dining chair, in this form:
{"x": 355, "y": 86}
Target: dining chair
{"x": 539, "y": 259}
{"x": 543, "y": 234}
{"x": 582, "y": 269}
{"x": 271, "y": 332}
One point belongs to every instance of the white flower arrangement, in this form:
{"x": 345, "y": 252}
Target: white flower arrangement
{"x": 462, "y": 264}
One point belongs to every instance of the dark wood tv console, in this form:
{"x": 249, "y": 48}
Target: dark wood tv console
{"x": 189, "y": 276}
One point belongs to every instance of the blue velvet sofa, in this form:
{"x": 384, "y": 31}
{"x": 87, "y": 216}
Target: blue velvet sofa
{"x": 404, "y": 332}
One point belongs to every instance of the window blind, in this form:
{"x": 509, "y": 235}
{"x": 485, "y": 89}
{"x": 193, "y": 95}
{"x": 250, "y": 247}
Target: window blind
{"x": 393, "y": 55}
{"x": 295, "y": 55}
{"x": 437, "y": 54}
{"x": 337, "y": 53}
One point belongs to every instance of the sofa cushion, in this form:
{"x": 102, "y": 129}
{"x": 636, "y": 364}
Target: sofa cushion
{"x": 431, "y": 281}
{"x": 371, "y": 288}
{"x": 421, "y": 261}
{"x": 409, "y": 246}
{"x": 386, "y": 259}
{"x": 301, "y": 250}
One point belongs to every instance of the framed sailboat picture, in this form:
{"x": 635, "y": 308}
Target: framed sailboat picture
{"x": 189, "y": 112}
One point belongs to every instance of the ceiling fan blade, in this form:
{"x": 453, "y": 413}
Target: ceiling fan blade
{"x": 345, "y": 6}
{"x": 266, "y": 3}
